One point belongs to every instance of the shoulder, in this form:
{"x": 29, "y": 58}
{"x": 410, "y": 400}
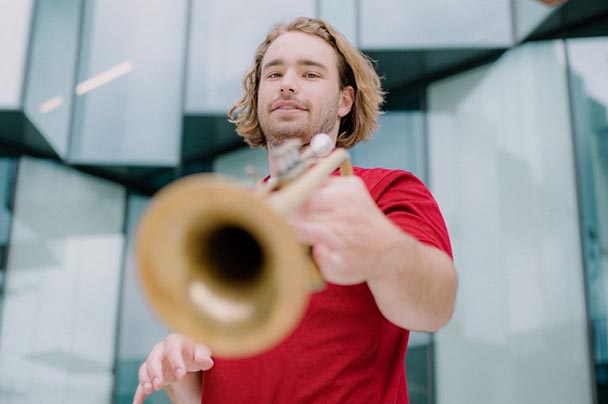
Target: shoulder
{"x": 381, "y": 180}
{"x": 404, "y": 199}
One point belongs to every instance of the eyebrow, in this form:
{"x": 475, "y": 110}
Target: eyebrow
{"x": 299, "y": 62}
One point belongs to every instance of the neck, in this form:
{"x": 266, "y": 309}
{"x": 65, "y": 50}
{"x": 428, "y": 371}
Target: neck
{"x": 272, "y": 165}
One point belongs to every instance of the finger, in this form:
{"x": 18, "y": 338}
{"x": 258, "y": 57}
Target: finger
{"x": 202, "y": 357}
{"x": 175, "y": 357}
{"x": 331, "y": 264}
{"x": 334, "y": 187}
{"x": 139, "y": 396}
{"x": 155, "y": 366}
{"x": 144, "y": 378}
{"x": 320, "y": 201}
{"x": 313, "y": 232}
{"x": 334, "y": 267}
{"x": 305, "y": 231}
{"x": 324, "y": 198}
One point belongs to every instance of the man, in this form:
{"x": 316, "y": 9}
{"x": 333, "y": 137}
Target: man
{"x": 377, "y": 237}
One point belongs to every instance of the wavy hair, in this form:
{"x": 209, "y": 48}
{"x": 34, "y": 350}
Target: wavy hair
{"x": 354, "y": 69}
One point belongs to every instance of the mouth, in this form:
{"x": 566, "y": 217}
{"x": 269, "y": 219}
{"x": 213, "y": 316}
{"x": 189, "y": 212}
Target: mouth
{"x": 287, "y": 106}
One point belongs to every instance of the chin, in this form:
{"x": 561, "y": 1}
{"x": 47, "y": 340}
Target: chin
{"x": 283, "y": 136}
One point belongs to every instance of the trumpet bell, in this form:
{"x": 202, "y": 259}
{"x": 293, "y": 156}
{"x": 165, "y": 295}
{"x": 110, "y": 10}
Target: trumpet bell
{"x": 219, "y": 265}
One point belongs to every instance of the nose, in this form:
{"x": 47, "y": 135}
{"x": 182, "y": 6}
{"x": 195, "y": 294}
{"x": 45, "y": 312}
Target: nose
{"x": 288, "y": 84}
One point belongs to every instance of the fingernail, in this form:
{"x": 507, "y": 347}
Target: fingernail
{"x": 156, "y": 383}
{"x": 179, "y": 373}
{"x": 147, "y": 388}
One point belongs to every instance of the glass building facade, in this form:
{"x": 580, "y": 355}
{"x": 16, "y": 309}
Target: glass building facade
{"x": 500, "y": 107}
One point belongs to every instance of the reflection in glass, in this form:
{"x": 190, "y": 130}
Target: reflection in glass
{"x": 59, "y": 313}
{"x": 128, "y": 108}
{"x": 528, "y": 15}
{"x": 223, "y": 39}
{"x": 588, "y": 60}
{"x": 236, "y": 164}
{"x": 14, "y": 36}
{"x": 7, "y": 172}
{"x": 501, "y": 164}
{"x": 138, "y": 328}
{"x": 104, "y": 77}
{"x": 390, "y": 24}
{"x": 342, "y": 15}
{"x": 52, "y": 70}
{"x": 398, "y": 144}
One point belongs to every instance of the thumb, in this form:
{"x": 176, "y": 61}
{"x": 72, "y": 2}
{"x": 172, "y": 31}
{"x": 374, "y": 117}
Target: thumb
{"x": 202, "y": 358}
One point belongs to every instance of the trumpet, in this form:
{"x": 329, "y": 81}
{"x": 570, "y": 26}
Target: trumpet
{"x": 219, "y": 262}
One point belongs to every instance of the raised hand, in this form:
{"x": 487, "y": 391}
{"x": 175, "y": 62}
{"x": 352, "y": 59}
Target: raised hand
{"x": 174, "y": 363}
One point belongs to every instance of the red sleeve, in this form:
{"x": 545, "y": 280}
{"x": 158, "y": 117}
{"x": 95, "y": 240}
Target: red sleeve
{"x": 409, "y": 204}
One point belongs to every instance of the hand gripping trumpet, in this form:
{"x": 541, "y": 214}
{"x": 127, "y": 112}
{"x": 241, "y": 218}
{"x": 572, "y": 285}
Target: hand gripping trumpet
{"x": 220, "y": 264}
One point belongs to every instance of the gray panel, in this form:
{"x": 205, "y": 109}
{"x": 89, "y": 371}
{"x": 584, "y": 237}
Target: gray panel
{"x": 413, "y": 24}
{"x": 61, "y": 291}
{"x": 589, "y": 92}
{"x": 130, "y": 83}
{"x": 501, "y": 165}
{"x": 14, "y": 37}
{"x": 52, "y": 70}
{"x": 399, "y": 144}
{"x": 223, "y": 39}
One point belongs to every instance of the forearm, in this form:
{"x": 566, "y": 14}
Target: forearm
{"x": 354, "y": 241}
{"x": 187, "y": 390}
{"x": 414, "y": 286}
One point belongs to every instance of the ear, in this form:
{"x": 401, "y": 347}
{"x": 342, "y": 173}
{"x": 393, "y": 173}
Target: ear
{"x": 347, "y": 99}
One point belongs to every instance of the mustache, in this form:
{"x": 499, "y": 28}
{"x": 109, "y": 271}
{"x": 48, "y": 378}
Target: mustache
{"x": 288, "y": 98}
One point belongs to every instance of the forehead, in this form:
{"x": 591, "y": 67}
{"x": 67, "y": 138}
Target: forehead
{"x": 294, "y": 46}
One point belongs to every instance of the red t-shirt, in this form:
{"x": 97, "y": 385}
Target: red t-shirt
{"x": 344, "y": 350}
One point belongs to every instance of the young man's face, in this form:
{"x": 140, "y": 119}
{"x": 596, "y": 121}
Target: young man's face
{"x": 299, "y": 93}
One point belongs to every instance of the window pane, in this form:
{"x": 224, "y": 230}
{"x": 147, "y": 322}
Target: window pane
{"x": 7, "y": 172}
{"x": 399, "y": 144}
{"x": 342, "y": 15}
{"x": 234, "y": 164}
{"x": 435, "y": 23}
{"x": 139, "y": 328}
{"x": 52, "y": 70}
{"x": 528, "y": 15}
{"x": 14, "y": 37}
{"x": 59, "y": 315}
{"x": 223, "y": 39}
{"x": 130, "y": 80}
{"x": 589, "y": 88}
{"x": 501, "y": 165}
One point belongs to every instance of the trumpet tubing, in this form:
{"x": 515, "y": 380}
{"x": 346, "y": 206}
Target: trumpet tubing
{"x": 219, "y": 263}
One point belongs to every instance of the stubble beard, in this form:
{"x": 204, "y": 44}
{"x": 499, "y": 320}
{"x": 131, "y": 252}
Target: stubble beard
{"x": 276, "y": 132}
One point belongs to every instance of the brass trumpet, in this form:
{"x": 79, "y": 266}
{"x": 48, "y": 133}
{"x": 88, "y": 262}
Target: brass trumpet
{"x": 220, "y": 264}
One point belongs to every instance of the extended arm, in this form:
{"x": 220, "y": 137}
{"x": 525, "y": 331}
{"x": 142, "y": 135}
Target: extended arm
{"x": 413, "y": 284}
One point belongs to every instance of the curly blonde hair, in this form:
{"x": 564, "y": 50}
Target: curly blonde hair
{"x": 354, "y": 68}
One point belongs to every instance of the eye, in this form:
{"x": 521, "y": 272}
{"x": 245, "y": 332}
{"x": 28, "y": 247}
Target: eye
{"x": 273, "y": 75}
{"x": 312, "y": 75}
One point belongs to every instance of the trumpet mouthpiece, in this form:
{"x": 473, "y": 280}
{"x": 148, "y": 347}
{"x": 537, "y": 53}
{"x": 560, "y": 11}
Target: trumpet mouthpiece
{"x": 321, "y": 144}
